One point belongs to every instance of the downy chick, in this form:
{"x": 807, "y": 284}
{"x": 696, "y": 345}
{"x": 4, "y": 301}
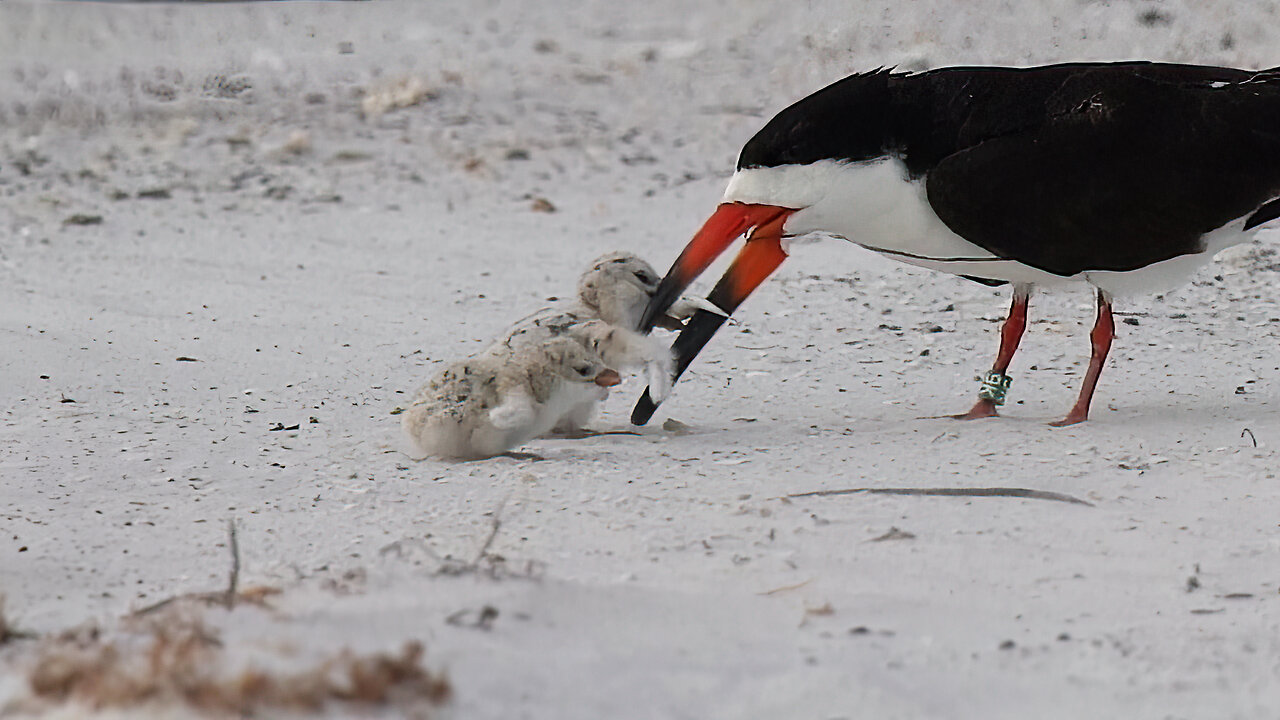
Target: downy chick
{"x": 613, "y": 291}
{"x": 616, "y": 347}
{"x": 489, "y": 404}
{"x": 617, "y": 288}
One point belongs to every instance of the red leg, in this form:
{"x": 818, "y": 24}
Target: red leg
{"x": 1010, "y": 335}
{"x": 1104, "y": 331}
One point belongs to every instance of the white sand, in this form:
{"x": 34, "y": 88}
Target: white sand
{"x": 650, "y": 555}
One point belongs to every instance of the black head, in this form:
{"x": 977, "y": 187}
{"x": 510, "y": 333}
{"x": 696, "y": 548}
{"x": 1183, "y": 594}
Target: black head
{"x": 844, "y": 121}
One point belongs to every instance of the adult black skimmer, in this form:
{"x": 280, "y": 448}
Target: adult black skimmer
{"x": 1124, "y": 176}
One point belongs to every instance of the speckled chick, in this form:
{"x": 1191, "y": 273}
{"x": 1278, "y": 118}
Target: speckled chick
{"x": 489, "y": 404}
{"x": 612, "y": 294}
{"x": 616, "y": 288}
{"x": 617, "y": 348}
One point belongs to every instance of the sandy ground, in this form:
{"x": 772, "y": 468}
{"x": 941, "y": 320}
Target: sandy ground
{"x": 226, "y": 257}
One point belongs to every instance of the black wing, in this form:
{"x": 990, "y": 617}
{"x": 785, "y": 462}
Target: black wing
{"x": 1121, "y": 171}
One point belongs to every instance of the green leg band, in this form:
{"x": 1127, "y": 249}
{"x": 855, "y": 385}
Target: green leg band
{"x": 995, "y": 386}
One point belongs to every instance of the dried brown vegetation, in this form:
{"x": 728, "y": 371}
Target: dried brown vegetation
{"x": 176, "y": 660}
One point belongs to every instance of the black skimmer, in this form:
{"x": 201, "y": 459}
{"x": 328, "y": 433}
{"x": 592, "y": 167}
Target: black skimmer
{"x": 1124, "y": 176}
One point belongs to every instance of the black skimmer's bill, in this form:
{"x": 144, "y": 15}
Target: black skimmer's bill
{"x": 1124, "y": 176}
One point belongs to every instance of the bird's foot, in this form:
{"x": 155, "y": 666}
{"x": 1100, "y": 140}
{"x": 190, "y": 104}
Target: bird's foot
{"x": 981, "y": 409}
{"x": 1072, "y": 418}
{"x": 584, "y": 433}
{"x": 569, "y": 433}
{"x": 602, "y": 433}
{"x": 527, "y": 456}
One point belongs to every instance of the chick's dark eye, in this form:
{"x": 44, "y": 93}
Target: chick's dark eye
{"x": 583, "y": 370}
{"x": 646, "y": 278}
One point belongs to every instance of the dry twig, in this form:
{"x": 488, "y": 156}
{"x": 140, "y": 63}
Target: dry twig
{"x": 234, "y": 580}
{"x": 785, "y": 588}
{"x": 493, "y": 533}
{"x": 953, "y": 492}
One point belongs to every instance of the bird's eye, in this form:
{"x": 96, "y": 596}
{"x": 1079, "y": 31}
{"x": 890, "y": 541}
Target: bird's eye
{"x": 583, "y": 370}
{"x": 646, "y": 278}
